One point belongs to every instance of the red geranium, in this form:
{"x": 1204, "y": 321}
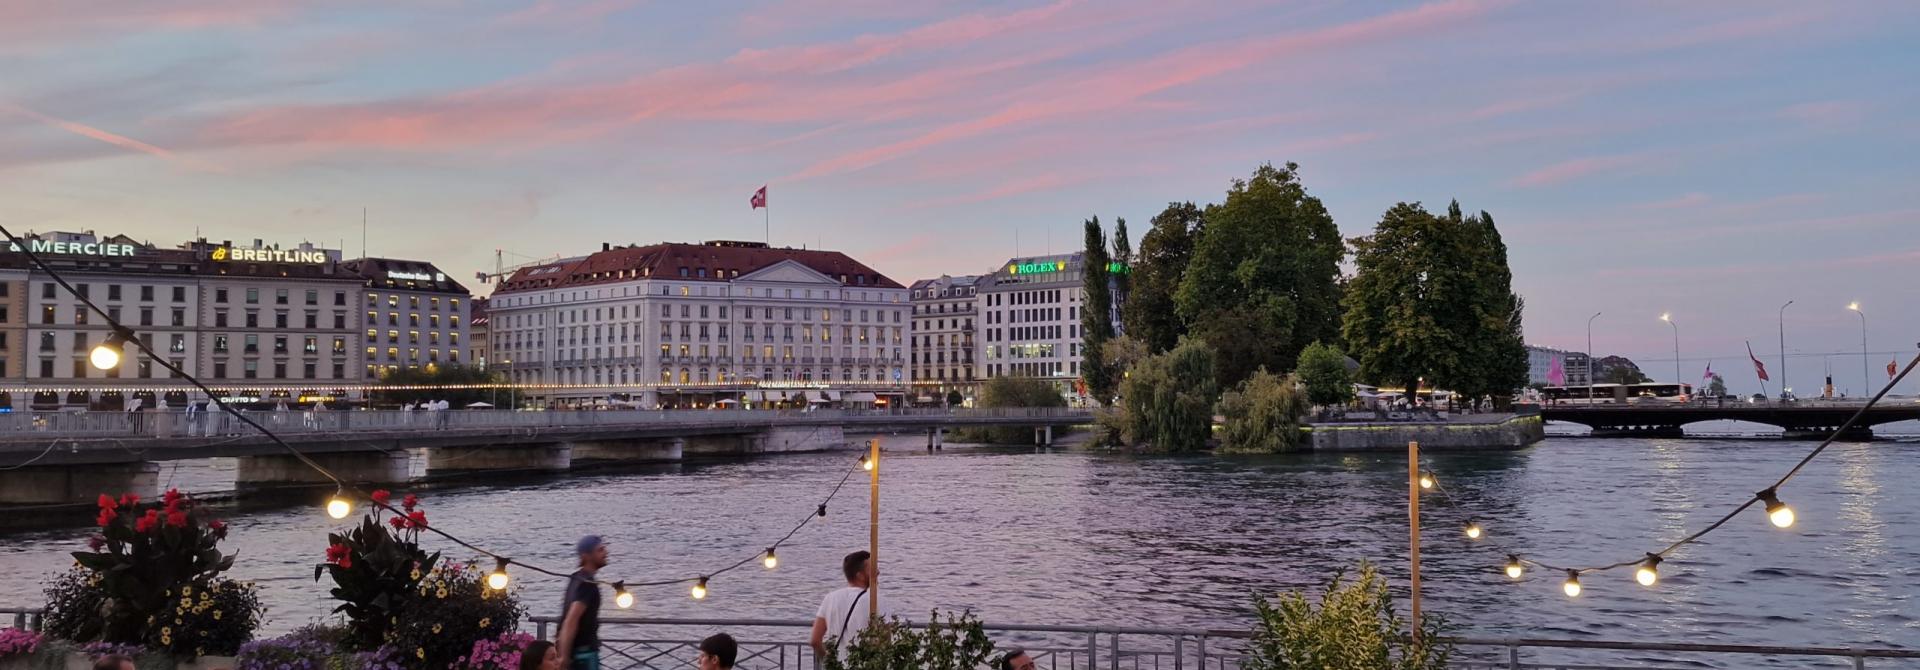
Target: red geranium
{"x": 381, "y": 496}
{"x": 172, "y": 497}
{"x": 176, "y": 519}
{"x": 107, "y": 502}
{"x": 146, "y": 522}
{"x": 418, "y": 518}
{"x": 96, "y": 542}
{"x": 129, "y": 500}
{"x": 340, "y": 555}
{"x": 107, "y": 515}
{"x": 398, "y": 522}
{"x": 410, "y": 501}
{"x": 219, "y": 528}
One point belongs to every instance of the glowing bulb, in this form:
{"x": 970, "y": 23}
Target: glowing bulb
{"x": 1649, "y": 571}
{"x": 1514, "y": 568}
{"x": 105, "y": 357}
{"x": 338, "y": 507}
{"x": 1777, "y": 512}
{"x": 497, "y": 580}
{"x": 1473, "y": 530}
{"x": 771, "y": 560}
{"x": 1664, "y": 316}
{"x": 1853, "y": 306}
{"x": 1426, "y": 480}
{"x": 621, "y": 598}
{"x": 1572, "y": 585}
{"x": 866, "y": 463}
{"x": 700, "y": 589}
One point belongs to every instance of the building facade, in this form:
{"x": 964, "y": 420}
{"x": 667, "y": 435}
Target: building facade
{"x": 414, "y": 315}
{"x": 13, "y": 325}
{"x": 477, "y": 328}
{"x": 942, "y": 342}
{"x": 1030, "y": 319}
{"x": 688, "y": 325}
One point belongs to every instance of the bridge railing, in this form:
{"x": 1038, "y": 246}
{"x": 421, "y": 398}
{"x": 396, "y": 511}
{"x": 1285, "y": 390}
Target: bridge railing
{"x": 179, "y": 423}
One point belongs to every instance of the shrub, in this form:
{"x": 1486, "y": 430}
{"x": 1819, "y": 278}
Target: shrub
{"x": 1323, "y": 369}
{"x": 957, "y": 643}
{"x": 1167, "y": 399}
{"x": 1352, "y": 626}
{"x": 1010, "y": 392}
{"x": 375, "y": 571}
{"x": 451, "y": 609}
{"x": 143, "y": 555}
{"x": 1263, "y": 415}
{"x": 211, "y": 621}
{"x": 74, "y": 604}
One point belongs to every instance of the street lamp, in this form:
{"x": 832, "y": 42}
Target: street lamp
{"x": 1783, "y": 350}
{"x": 1590, "y": 319}
{"x": 1668, "y": 317}
{"x": 1866, "y": 381}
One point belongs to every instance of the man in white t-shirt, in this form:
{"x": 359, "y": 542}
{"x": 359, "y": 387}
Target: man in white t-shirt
{"x": 845, "y": 611}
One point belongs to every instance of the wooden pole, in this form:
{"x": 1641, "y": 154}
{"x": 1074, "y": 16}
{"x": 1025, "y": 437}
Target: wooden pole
{"x": 1413, "y": 519}
{"x": 873, "y": 529}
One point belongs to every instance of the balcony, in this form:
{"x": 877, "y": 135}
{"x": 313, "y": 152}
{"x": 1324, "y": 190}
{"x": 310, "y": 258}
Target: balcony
{"x": 806, "y": 360}
{"x": 704, "y": 360}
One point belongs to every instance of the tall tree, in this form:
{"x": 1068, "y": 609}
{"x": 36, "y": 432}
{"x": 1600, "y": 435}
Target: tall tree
{"x": 1122, "y": 272}
{"x": 1168, "y": 398}
{"x": 1500, "y": 359}
{"x": 1268, "y": 265}
{"x": 1096, "y": 324}
{"x": 1165, "y": 250}
{"x": 1323, "y": 370}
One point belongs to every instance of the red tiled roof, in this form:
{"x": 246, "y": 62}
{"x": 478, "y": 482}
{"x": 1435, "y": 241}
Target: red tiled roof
{"x": 720, "y": 263}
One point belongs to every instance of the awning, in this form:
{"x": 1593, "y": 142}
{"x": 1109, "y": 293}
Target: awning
{"x": 816, "y": 396}
{"x": 755, "y": 396}
{"x": 860, "y": 396}
{"x": 832, "y": 395}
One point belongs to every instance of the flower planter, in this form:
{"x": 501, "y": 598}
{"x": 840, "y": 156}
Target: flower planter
{"x": 80, "y": 661}
{"x": 207, "y": 663}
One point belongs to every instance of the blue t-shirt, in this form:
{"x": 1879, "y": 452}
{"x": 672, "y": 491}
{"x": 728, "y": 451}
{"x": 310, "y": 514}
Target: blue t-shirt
{"x": 581, "y": 589}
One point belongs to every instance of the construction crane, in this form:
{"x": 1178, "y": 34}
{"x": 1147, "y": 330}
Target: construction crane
{"x": 501, "y": 270}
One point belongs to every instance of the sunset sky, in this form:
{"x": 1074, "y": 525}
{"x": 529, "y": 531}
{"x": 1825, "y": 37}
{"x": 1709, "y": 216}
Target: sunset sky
{"x": 1712, "y": 159}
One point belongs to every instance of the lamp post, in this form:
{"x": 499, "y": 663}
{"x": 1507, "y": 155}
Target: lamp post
{"x": 1866, "y": 381}
{"x": 1783, "y": 350}
{"x": 1668, "y": 317}
{"x": 1590, "y": 319}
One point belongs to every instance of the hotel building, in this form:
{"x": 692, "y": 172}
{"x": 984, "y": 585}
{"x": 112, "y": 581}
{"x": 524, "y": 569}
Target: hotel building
{"x": 942, "y": 337}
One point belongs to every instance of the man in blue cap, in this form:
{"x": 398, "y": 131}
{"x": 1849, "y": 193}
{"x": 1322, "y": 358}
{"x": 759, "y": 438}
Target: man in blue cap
{"x": 580, "y": 612}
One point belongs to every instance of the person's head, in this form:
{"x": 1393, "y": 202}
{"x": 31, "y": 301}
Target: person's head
{"x": 540, "y": 655}
{"x": 593, "y": 552}
{"x": 859, "y": 569}
{"x": 1015, "y": 659}
{"x": 718, "y": 652}
{"x": 113, "y": 662}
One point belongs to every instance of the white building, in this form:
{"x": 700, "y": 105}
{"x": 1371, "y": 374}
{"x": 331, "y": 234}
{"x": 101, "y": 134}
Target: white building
{"x": 1030, "y": 319}
{"x": 688, "y": 325}
{"x": 414, "y": 315}
{"x": 942, "y": 336}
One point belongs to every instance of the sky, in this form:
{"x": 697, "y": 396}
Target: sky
{"x": 1709, "y": 159}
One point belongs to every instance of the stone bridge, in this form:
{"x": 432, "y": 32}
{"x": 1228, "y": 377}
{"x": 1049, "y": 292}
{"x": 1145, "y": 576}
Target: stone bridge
{"x": 1800, "y": 420}
{"x": 55, "y": 457}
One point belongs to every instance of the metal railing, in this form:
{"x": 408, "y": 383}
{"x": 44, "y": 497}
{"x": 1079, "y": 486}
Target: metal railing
{"x": 176, "y": 423}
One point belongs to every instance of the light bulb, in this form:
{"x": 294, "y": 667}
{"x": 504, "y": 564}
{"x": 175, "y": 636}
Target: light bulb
{"x": 1572, "y": 586}
{"x": 1649, "y": 572}
{"x": 498, "y": 579}
{"x": 338, "y": 507}
{"x": 771, "y": 560}
{"x": 1777, "y": 512}
{"x": 1426, "y": 480}
{"x": 1473, "y": 530}
{"x": 1514, "y": 568}
{"x": 621, "y": 598}
{"x": 866, "y": 463}
{"x": 700, "y": 589}
{"x": 823, "y": 510}
{"x": 105, "y": 357}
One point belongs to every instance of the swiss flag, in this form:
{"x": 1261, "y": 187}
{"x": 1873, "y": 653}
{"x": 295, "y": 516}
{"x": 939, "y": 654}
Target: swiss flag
{"x": 1759, "y": 368}
{"x": 759, "y": 198}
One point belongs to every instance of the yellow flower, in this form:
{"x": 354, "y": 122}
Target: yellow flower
{"x": 436, "y": 629}
{"x": 176, "y": 621}
{"x": 200, "y": 651}
{"x": 486, "y": 621}
{"x": 416, "y": 574}
{"x": 216, "y": 615}
{"x": 186, "y": 590}
{"x": 442, "y": 593}
{"x": 420, "y": 652}
{"x": 166, "y": 630}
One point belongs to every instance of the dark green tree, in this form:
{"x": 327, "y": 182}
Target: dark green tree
{"x": 1323, "y": 370}
{"x": 1499, "y": 361}
{"x": 1010, "y": 392}
{"x": 1165, "y": 250}
{"x": 954, "y": 399}
{"x": 1122, "y": 270}
{"x": 1263, "y": 415}
{"x": 1167, "y": 399}
{"x": 1716, "y": 387}
{"x": 1096, "y": 322}
{"x": 1268, "y": 263}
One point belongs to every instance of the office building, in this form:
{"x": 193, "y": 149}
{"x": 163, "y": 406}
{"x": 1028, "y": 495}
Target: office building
{"x": 414, "y": 315}
{"x": 1030, "y": 319}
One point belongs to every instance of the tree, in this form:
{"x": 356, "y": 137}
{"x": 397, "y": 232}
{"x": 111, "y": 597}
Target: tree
{"x": 954, "y": 399}
{"x": 1165, "y": 250}
{"x": 1121, "y": 269}
{"x": 1323, "y": 370}
{"x": 1716, "y": 387}
{"x": 1167, "y": 400}
{"x": 1010, "y": 392}
{"x": 1499, "y": 361}
{"x": 1096, "y": 319}
{"x": 1263, "y": 415}
{"x": 1269, "y": 262}
{"x": 1124, "y": 352}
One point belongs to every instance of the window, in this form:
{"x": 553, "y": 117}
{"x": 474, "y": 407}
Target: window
{"x": 79, "y": 369}
{"x": 435, "y": 302}
{"x": 179, "y": 317}
{"x": 313, "y": 298}
{"x": 339, "y": 320}
{"x": 413, "y": 301}
{"x": 253, "y": 296}
{"x": 146, "y": 316}
{"x": 46, "y": 313}
{"x": 47, "y": 292}
{"x": 46, "y": 341}
{"x": 220, "y": 369}
{"x": 253, "y": 344}
{"x": 220, "y": 295}
{"x": 339, "y": 370}
{"x": 339, "y": 300}
{"x": 280, "y": 319}
{"x": 313, "y": 320}
{"x": 339, "y": 346}
{"x": 46, "y": 367}
{"x": 179, "y": 294}
{"x": 280, "y": 296}
{"x": 252, "y": 369}
{"x": 80, "y": 314}
{"x": 312, "y": 345}
{"x": 220, "y": 319}
{"x": 308, "y": 369}
{"x": 178, "y": 344}
{"x": 279, "y": 344}
{"x": 113, "y": 291}
{"x": 219, "y": 346}
{"x": 146, "y": 368}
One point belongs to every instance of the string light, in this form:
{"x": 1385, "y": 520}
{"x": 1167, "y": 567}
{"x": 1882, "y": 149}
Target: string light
{"x": 823, "y": 511}
{"x": 338, "y": 506}
{"x": 1473, "y": 530}
{"x": 1572, "y": 585}
{"x": 621, "y": 598}
{"x": 1649, "y": 572}
{"x": 1426, "y": 480}
{"x": 106, "y": 355}
{"x": 700, "y": 589}
{"x": 1777, "y": 512}
{"x": 1514, "y": 568}
{"x": 866, "y": 464}
{"x": 497, "y": 580}
{"x": 771, "y": 560}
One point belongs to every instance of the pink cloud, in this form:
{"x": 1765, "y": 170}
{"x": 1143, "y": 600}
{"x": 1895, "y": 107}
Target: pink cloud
{"x": 557, "y": 13}
{"x": 1828, "y": 114}
{"x": 869, "y": 48}
{"x": 1687, "y": 201}
{"x": 1574, "y": 169}
{"x": 114, "y": 139}
{"x": 1519, "y": 105}
{"x": 1124, "y": 85}
{"x": 1744, "y": 28}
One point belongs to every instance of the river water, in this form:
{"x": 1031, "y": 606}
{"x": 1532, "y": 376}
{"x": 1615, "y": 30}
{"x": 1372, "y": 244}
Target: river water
{"x": 1073, "y": 537}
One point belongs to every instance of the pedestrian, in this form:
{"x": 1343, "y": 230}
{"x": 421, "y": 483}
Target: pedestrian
{"x": 113, "y": 662}
{"x": 540, "y": 655}
{"x": 580, "y": 611}
{"x": 845, "y": 611}
{"x": 1015, "y": 659}
{"x": 718, "y": 652}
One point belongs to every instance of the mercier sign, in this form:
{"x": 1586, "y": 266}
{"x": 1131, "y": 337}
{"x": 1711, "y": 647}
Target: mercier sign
{"x": 76, "y": 248}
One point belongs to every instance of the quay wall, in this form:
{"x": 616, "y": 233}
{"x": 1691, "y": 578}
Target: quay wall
{"x": 1516, "y": 432}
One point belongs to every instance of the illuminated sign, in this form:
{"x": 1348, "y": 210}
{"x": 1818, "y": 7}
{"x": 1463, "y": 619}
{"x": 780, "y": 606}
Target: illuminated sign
{"x": 417, "y": 276}
{"x": 76, "y": 248}
{"x": 1115, "y": 267}
{"x": 269, "y": 255}
{"x": 791, "y": 385}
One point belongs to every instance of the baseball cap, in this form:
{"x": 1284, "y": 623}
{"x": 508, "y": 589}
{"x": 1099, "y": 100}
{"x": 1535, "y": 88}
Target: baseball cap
{"x": 588, "y": 544}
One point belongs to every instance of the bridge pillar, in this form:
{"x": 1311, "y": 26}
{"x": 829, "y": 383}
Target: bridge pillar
{"x": 359, "y": 467}
{"x": 54, "y": 484}
{"x": 526, "y": 458}
{"x": 786, "y": 439}
{"x": 633, "y": 451}
{"x": 1043, "y": 436}
{"x": 940, "y": 437}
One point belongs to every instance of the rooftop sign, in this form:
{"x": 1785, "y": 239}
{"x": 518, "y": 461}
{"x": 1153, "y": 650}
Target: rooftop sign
{"x": 269, "y": 255}
{"x": 76, "y": 248}
{"x": 417, "y": 276}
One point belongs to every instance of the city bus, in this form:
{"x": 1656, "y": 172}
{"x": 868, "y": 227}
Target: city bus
{"x": 1619, "y": 394}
